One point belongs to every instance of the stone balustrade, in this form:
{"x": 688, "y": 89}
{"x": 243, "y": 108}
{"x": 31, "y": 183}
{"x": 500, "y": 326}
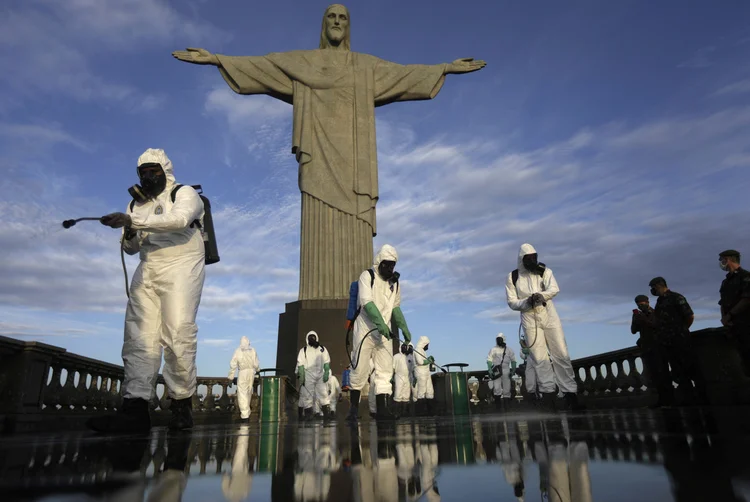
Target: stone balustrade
{"x": 46, "y": 387}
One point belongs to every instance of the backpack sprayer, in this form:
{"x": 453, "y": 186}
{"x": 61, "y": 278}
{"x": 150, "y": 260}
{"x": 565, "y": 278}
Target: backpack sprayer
{"x": 206, "y": 228}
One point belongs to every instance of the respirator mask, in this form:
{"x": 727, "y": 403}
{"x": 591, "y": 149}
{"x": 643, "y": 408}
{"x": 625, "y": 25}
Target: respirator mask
{"x": 153, "y": 182}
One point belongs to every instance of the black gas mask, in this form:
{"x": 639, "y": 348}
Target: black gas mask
{"x": 312, "y": 340}
{"x": 404, "y": 349}
{"x": 500, "y": 342}
{"x": 153, "y": 182}
{"x": 531, "y": 264}
{"x": 427, "y": 347}
{"x": 409, "y": 350}
{"x": 386, "y": 269}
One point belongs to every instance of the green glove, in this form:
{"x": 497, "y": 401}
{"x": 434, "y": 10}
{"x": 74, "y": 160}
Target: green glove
{"x": 398, "y": 317}
{"x": 429, "y": 360}
{"x": 301, "y": 373}
{"x": 374, "y": 314}
{"x": 489, "y": 366}
{"x": 513, "y": 366}
{"x": 326, "y": 372}
{"x": 525, "y": 350}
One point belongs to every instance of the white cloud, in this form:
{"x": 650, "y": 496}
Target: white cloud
{"x": 217, "y": 342}
{"x": 739, "y": 87}
{"x": 56, "y": 47}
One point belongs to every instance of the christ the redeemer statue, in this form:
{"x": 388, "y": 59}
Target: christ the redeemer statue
{"x": 334, "y": 92}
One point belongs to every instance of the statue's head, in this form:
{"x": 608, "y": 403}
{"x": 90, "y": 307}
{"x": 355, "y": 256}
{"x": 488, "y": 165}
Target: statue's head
{"x": 335, "y": 30}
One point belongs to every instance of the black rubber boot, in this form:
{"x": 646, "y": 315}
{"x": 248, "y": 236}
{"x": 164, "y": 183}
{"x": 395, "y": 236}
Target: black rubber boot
{"x": 182, "y": 414}
{"x": 384, "y": 411}
{"x": 353, "y": 414}
{"x": 132, "y": 417}
{"x": 308, "y": 414}
{"x": 572, "y": 403}
{"x": 300, "y": 411}
{"x": 498, "y": 403}
{"x": 429, "y": 407}
{"x": 549, "y": 400}
{"x": 327, "y": 413}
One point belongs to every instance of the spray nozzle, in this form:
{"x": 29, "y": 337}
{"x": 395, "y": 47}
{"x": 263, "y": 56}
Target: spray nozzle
{"x": 70, "y": 223}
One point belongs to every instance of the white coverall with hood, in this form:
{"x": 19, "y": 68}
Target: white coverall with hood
{"x": 402, "y": 378}
{"x": 424, "y": 378}
{"x": 541, "y": 326}
{"x": 504, "y": 355}
{"x": 334, "y": 391}
{"x": 375, "y": 346}
{"x": 313, "y": 360}
{"x": 246, "y": 360}
{"x": 165, "y": 291}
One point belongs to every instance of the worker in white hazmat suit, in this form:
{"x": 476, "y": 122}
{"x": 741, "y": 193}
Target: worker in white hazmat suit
{"x": 402, "y": 379}
{"x": 237, "y": 485}
{"x": 422, "y": 362}
{"x": 246, "y": 360}
{"x": 314, "y": 370}
{"x": 164, "y": 296}
{"x": 503, "y": 357}
{"x": 529, "y": 290}
{"x": 334, "y": 391}
{"x": 379, "y": 301}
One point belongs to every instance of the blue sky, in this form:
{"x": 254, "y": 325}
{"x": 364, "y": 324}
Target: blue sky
{"x": 611, "y": 136}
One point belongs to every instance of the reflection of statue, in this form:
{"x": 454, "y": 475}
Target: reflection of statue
{"x": 334, "y": 92}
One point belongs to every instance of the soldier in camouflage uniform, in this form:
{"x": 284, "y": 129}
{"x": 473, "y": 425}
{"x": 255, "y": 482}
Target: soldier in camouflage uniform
{"x": 673, "y": 318}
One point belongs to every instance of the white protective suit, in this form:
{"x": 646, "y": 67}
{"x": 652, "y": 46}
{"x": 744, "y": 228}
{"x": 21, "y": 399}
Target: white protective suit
{"x": 237, "y": 485}
{"x": 424, "y": 378}
{"x": 313, "y": 360}
{"x": 403, "y": 376}
{"x": 334, "y": 391}
{"x": 246, "y": 360}
{"x": 568, "y": 477}
{"x": 541, "y": 326}
{"x": 529, "y": 374}
{"x": 165, "y": 291}
{"x": 375, "y": 346}
{"x": 504, "y": 355}
{"x": 371, "y": 398}
{"x": 412, "y": 371}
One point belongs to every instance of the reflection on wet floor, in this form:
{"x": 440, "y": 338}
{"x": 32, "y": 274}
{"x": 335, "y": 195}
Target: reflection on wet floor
{"x": 685, "y": 455}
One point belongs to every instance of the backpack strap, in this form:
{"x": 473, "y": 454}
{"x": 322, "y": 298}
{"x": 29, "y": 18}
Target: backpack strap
{"x": 173, "y": 196}
{"x": 132, "y": 204}
{"x": 514, "y": 276}
{"x": 372, "y": 276}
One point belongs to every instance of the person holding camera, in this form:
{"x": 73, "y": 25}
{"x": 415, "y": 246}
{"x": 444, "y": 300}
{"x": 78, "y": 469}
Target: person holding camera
{"x": 529, "y": 289}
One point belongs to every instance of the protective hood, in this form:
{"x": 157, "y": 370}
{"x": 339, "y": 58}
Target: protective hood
{"x": 499, "y": 335}
{"x": 423, "y": 340}
{"x": 525, "y": 249}
{"x": 386, "y": 253}
{"x": 244, "y": 343}
{"x": 159, "y": 156}
{"x": 313, "y": 333}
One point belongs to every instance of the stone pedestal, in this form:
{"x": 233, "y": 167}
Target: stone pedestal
{"x": 328, "y": 319}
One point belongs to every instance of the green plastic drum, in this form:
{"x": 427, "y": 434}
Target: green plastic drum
{"x": 271, "y": 398}
{"x": 458, "y": 390}
{"x": 269, "y": 446}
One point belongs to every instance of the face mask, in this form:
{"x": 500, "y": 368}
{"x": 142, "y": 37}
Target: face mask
{"x": 427, "y": 347}
{"x": 500, "y": 342}
{"x": 654, "y": 292}
{"x": 643, "y": 307}
{"x": 530, "y": 262}
{"x": 385, "y": 269}
{"x": 410, "y": 350}
{"x": 313, "y": 342}
{"x": 153, "y": 182}
{"x": 404, "y": 349}
{"x": 724, "y": 266}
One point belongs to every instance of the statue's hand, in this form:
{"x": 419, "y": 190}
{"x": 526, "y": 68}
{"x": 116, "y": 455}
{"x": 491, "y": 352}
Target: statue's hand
{"x": 196, "y": 56}
{"x": 464, "y": 65}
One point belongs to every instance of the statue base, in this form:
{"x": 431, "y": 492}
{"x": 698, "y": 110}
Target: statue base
{"x": 328, "y": 319}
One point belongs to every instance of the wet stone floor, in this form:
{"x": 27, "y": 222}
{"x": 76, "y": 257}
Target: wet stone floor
{"x": 635, "y": 455}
